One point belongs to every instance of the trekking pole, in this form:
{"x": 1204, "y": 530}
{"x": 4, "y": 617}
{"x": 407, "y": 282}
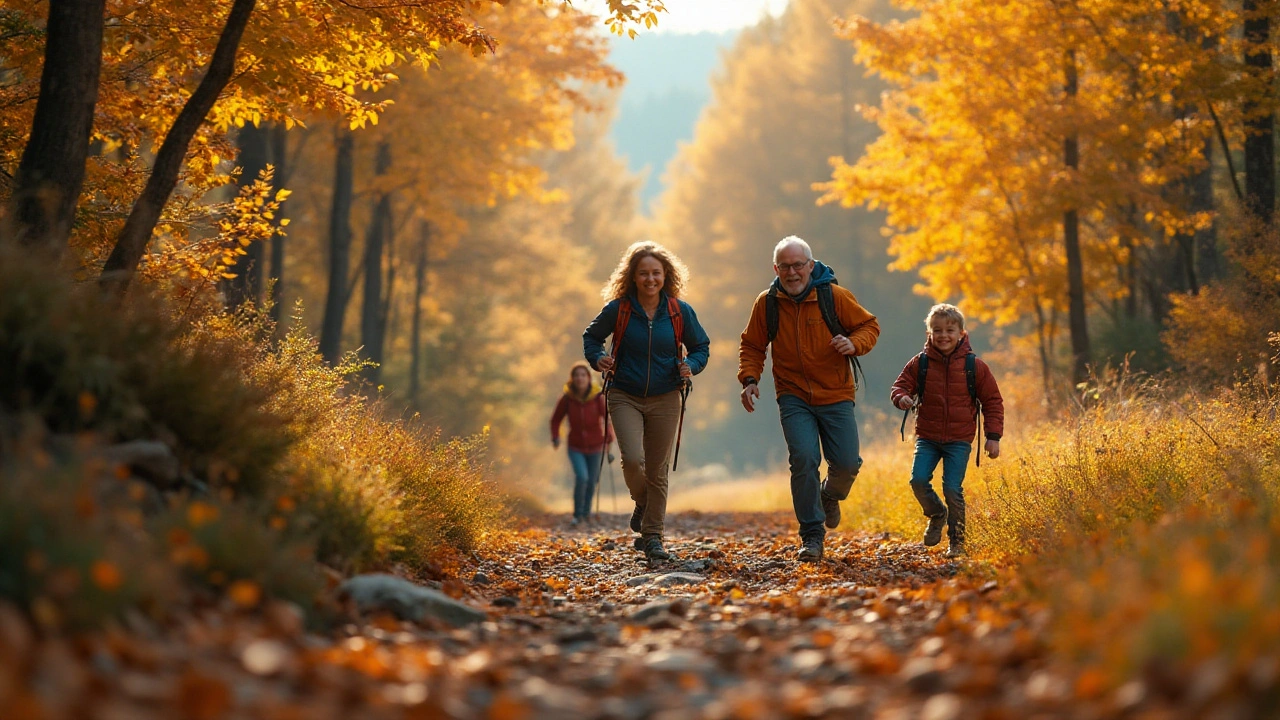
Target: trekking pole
{"x": 684, "y": 396}
{"x": 613, "y": 489}
{"x": 604, "y": 451}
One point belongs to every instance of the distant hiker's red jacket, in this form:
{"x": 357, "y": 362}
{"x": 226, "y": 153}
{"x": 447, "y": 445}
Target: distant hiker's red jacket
{"x": 586, "y": 420}
{"x": 946, "y": 413}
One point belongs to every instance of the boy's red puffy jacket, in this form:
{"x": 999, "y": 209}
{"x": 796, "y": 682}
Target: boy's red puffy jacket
{"x": 946, "y": 410}
{"x": 586, "y": 420}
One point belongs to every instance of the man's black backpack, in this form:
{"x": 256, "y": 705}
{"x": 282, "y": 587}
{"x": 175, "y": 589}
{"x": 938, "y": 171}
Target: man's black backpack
{"x": 827, "y": 306}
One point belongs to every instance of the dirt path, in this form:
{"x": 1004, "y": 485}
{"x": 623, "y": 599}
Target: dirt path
{"x": 733, "y": 626}
{"x": 579, "y": 627}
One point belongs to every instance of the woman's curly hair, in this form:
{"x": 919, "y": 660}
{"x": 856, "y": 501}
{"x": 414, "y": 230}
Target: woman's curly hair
{"x": 623, "y": 281}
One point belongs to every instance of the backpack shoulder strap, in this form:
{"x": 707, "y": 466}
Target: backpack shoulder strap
{"x": 971, "y": 376}
{"x": 971, "y": 379}
{"x": 922, "y": 370}
{"x": 620, "y": 326}
{"x": 771, "y": 312}
{"x": 677, "y": 322}
{"x": 827, "y": 306}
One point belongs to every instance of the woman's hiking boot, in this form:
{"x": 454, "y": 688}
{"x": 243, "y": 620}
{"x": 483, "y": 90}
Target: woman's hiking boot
{"x": 956, "y": 550}
{"x": 831, "y": 508}
{"x": 811, "y": 550}
{"x": 653, "y": 550}
{"x": 933, "y": 532}
{"x": 636, "y": 516}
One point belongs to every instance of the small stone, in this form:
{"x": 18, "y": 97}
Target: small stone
{"x": 989, "y": 586}
{"x": 506, "y": 601}
{"x": 576, "y": 635}
{"x": 480, "y": 579}
{"x": 678, "y": 661}
{"x": 932, "y": 646}
{"x": 1130, "y": 695}
{"x": 758, "y": 627}
{"x": 942, "y": 707}
{"x": 922, "y": 676}
{"x": 407, "y": 601}
{"x": 651, "y": 610}
{"x": 639, "y": 580}
{"x": 265, "y": 657}
{"x": 678, "y": 578}
{"x": 609, "y": 545}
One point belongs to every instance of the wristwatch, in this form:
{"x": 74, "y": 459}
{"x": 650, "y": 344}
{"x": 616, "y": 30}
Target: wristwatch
{"x": 748, "y": 381}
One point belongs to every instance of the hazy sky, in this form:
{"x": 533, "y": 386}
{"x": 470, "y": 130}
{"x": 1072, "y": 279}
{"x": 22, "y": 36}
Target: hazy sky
{"x": 687, "y": 16}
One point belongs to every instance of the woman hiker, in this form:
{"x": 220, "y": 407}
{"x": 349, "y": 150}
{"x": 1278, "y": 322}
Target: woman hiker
{"x": 651, "y": 327}
{"x": 583, "y": 404}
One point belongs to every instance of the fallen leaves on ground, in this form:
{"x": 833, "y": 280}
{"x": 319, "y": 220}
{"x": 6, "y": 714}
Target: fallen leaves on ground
{"x": 581, "y": 626}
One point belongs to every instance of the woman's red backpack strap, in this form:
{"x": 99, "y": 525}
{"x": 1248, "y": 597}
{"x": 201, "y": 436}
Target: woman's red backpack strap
{"x": 620, "y": 327}
{"x": 624, "y": 317}
{"x": 677, "y": 324}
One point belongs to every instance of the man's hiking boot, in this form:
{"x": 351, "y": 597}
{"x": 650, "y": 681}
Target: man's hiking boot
{"x": 811, "y": 550}
{"x": 636, "y": 516}
{"x": 956, "y": 550}
{"x": 933, "y": 533}
{"x": 653, "y": 550}
{"x": 831, "y": 507}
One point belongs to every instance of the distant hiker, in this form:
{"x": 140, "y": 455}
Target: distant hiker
{"x": 645, "y": 373}
{"x": 948, "y": 386}
{"x": 816, "y": 329}
{"x": 583, "y": 404}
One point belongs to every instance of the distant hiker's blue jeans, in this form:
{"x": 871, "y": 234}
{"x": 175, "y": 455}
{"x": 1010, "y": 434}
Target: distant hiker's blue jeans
{"x": 954, "y": 457}
{"x": 814, "y": 432}
{"x": 586, "y": 473}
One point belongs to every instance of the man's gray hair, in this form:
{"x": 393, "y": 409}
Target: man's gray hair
{"x": 789, "y": 241}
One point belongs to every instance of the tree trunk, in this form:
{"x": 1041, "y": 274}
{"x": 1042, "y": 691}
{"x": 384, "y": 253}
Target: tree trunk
{"x": 133, "y": 239}
{"x": 51, "y": 171}
{"x": 1259, "y": 142}
{"x": 246, "y": 286}
{"x": 415, "y": 330}
{"x": 1071, "y": 240}
{"x": 335, "y": 303}
{"x": 1208, "y": 255}
{"x": 371, "y": 316}
{"x": 278, "y": 139}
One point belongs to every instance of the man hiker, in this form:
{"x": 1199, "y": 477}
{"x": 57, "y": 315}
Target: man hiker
{"x": 817, "y": 329}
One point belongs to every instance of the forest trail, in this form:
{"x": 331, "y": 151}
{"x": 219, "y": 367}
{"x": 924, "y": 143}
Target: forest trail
{"x": 578, "y": 626}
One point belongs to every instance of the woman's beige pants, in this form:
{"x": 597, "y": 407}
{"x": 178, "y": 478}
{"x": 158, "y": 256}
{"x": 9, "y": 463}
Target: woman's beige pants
{"x": 646, "y": 430}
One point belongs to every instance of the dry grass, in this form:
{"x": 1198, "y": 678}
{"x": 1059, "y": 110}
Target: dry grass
{"x": 285, "y": 464}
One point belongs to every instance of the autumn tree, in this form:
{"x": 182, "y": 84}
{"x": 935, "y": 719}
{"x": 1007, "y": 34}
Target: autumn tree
{"x": 745, "y": 181}
{"x": 52, "y": 168}
{"x": 1107, "y": 114}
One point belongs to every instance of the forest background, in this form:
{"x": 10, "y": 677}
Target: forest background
{"x": 453, "y": 226}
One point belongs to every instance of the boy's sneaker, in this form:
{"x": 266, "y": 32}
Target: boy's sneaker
{"x": 811, "y": 550}
{"x": 831, "y": 507}
{"x": 933, "y": 532}
{"x": 653, "y": 549}
{"x": 636, "y": 516}
{"x": 956, "y": 551}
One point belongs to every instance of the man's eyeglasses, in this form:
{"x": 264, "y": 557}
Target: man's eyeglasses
{"x": 797, "y": 267}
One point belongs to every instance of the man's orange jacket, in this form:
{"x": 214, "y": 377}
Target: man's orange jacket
{"x": 804, "y": 363}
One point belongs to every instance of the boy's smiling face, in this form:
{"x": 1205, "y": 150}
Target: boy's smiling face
{"x": 945, "y": 334}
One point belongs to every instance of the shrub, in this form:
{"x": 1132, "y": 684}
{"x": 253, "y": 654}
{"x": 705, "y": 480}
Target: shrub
{"x": 299, "y": 467}
{"x": 1149, "y": 528}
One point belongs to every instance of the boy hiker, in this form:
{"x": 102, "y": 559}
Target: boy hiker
{"x": 816, "y": 329}
{"x": 948, "y": 386}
